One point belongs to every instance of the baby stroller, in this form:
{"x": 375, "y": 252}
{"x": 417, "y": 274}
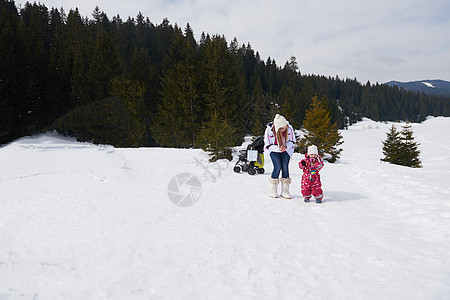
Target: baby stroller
{"x": 252, "y": 159}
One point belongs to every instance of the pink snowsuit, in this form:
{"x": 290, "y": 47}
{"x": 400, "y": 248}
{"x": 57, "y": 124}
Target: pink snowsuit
{"x": 311, "y": 184}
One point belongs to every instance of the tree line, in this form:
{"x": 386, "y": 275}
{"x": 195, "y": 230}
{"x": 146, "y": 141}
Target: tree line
{"x": 135, "y": 83}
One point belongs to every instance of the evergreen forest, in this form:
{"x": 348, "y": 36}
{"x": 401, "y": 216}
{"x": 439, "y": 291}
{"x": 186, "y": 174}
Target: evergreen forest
{"x": 132, "y": 83}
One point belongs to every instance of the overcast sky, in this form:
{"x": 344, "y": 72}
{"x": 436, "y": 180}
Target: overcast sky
{"x": 376, "y": 40}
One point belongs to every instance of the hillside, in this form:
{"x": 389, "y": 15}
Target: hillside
{"x": 128, "y": 82}
{"x": 432, "y": 87}
{"x": 80, "y": 221}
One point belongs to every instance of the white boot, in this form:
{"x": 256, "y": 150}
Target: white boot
{"x": 273, "y": 187}
{"x": 285, "y": 182}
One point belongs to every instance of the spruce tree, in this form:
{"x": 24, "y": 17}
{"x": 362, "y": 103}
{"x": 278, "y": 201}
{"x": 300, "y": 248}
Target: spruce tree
{"x": 320, "y": 132}
{"x": 178, "y": 112}
{"x": 216, "y": 137}
{"x": 286, "y": 97}
{"x": 34, "y": 31}
{"x": 107, "y": 121}
{"x": 141, "y": 69}
{"x": 59, "y": 69}
{"x": 399, "y": 148}
{"x": 409, "y": 148}
{"x": 105, "y": 64}
{"x": 222, "y": 94}
{"x": 260, "y": 114}
{"x": 391, "y": 146}
{"x": 131, "y": 92}
{"x": 12, "y": 75}
{"x": 303, "y": 101}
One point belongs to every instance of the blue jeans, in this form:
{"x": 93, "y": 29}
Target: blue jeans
{"x": 280, "y": 161}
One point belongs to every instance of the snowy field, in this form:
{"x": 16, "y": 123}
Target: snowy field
{"x": 80, "y": 221}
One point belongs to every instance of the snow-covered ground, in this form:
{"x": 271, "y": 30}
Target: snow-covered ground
{"x": 428, "y": 84}
{"x": 80, "y": 221}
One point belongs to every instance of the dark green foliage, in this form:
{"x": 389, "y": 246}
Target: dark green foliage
{"x": 320, "y": 131}
{"x": 52, "y": 64}
{"x": 409, "y": 148}
{"x": 222, "y": 95}
{"x": 176, "y": 123}
{"x": 34, "y": 33}
{"x": 216, "y": 137}
{"x": 261, "y": 114}
{"x": 391, "y": 146}
{"x": 106, "y": 121}
{"x": 10, "y": 71}
{"x": 131, "y": 93}
{"x": 94, "y": 69}
{"x": 399, "y": 147}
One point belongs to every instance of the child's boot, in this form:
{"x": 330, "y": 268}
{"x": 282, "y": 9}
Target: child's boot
{"x": 285, "y": 182}
{"x": 273, "y": 187}
{"x": 306, "y": 199}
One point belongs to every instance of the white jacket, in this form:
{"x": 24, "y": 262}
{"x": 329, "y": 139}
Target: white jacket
{"x": 269, "y": 140}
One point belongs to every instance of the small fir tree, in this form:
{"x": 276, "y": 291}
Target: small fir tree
{"x": 409, "y": 148}
{"x": 320, "y": 132}
{"x": 391, "y": 146}
{"x": 399, "y": 148}
{"x": 217, "y": 137}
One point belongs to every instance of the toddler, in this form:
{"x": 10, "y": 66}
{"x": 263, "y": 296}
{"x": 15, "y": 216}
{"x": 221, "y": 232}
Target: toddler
{"x": 311, "y": 165}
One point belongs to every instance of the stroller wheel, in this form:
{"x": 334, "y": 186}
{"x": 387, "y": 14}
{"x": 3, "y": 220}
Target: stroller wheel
{"x": 251, "y": 171}
{"x": 260, "y": 170}
{"x": 237, "y": 169}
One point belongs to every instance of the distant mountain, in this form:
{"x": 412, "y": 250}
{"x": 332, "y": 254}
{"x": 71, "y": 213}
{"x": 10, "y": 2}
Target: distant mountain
{"x": 433, "y": 87}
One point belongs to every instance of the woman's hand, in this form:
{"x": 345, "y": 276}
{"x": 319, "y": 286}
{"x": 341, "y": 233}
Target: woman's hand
{"x": 283, "y": 148}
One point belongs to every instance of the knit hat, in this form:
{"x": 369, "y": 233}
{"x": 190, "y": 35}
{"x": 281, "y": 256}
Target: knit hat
{"x": 279, "y": 121}
{"x": 312, "y": 150}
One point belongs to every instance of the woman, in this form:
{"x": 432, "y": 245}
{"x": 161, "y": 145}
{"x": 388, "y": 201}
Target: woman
{"x": 279, "y": 141}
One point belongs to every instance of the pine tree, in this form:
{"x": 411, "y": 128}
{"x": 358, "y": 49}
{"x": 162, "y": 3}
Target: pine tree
{"x": 107, "y": 121}
{"x": 260, "y": 114}
{"x": 399, "y": 148}
{"x": 303, "y": 101}
{"x": 391, "y": 146}
{"x": 131, "y": 92}
{"x": 105, "y": 64}
{"x": 34, "y": 31}
{"x": 79, "y": 49}
{"x": 12, "y": 77}
{"x": 178, "y": 112}
{"x": 320, "y": 132}
{"x": 141, "y": 69}
{"x": 286, "y": 97}
{"x": 59, "y": 69}
{"x": 216, "y": 137}
{"x": 222, "y": 94}
{"x": 409, "y": 149}
{"x": 367, "y": 98}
